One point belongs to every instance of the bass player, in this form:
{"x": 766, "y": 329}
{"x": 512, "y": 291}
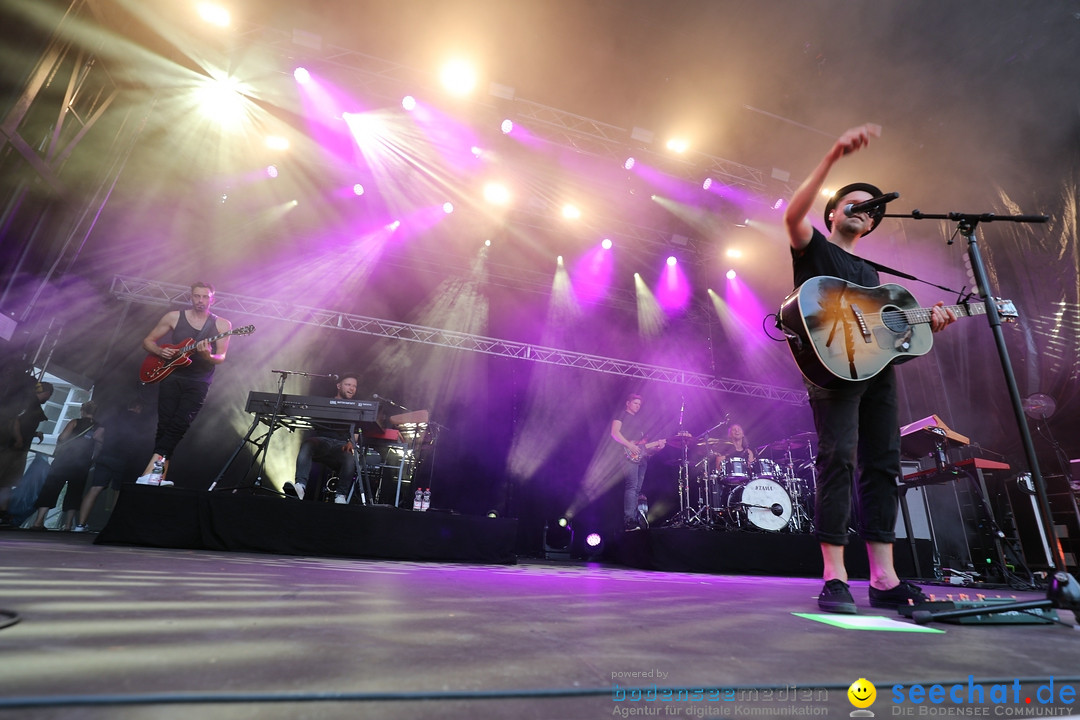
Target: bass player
{"x": 628, "y": 429}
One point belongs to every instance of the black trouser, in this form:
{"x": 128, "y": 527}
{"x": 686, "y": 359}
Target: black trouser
{"x": 858, "y": 426}
{"x": 332, "y": 453}
{"x": 179, "y": 401}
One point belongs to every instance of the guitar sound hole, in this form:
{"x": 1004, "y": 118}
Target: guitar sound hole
{"x": 893, "y": 318}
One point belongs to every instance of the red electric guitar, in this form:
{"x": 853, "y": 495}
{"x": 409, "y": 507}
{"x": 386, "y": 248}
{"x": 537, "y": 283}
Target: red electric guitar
{"x": 156, "y": 368}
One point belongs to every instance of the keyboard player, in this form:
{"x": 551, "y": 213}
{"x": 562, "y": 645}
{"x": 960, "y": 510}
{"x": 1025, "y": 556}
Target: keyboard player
{"x": 329, "y": 444}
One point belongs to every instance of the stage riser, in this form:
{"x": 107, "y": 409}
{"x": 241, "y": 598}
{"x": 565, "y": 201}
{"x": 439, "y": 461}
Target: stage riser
{"x": 780, "y": 554}
{"x": 227, "y": 521}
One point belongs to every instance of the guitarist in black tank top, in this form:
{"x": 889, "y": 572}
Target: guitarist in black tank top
{"x": 857, "y": 422}
{"x": 183, "y": 392}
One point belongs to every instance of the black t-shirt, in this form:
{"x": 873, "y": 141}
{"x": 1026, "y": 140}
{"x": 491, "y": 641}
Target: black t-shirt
{"x": 821, "y": 257}
{"x": 633, "y": 426}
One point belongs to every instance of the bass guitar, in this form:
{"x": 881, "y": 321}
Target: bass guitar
{"x": 156, "y": 368}
{"x": 838, "y": 331}
{"x": 644, "y": 450}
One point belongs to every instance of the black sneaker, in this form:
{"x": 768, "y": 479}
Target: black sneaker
{"x": 836, "y": 597}
{"x": 903, "y": 594}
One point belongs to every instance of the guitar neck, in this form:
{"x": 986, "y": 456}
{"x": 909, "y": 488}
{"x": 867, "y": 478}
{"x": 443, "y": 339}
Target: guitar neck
{"x": 922, "y": 315}
{"x": 192, "y": 345}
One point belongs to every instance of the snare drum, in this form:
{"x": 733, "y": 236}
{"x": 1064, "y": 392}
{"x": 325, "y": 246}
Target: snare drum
{"x": 766, "y": 469}
{"x": 734, "y": 470}
{"x": 761, "y": 503}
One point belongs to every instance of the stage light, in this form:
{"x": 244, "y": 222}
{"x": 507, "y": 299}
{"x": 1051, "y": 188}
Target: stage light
{"x": 557, "y": 539}
{"x": 707, "y": 184}
{"x": 605, "y": 243}
{"x": 394, "y": 225}
{"x": 272, "y": 171}
{"x": 487, "y": 243}
{"x": 745, "y": 223}
{"x": 302, "y": 75}
{"x": 448, "y": 207}
{"x": 507, "y": 126}
{"x": 496, "y": 194}
{"x": 408, "y": 102}
{"x": 220, "y": 98}
{"x": 778, "y": 204}
{"x": 276, "y": 142}
{"x": 571, "y": 212}
{"x": 629, "y": 164}
{"x": 458, "y": 77}
{"x": 358, "y": 189}
{"x": 730, "y": 274}
{"x": 678, "y": 145}
{"x": 672, "y": 261}
{"x": 594, "y": 546}
{"x": 733, "y": 253}
{"x": 493, "y": 514}
{"x": 476, "y": 151}
{"x": 214, "y": 14}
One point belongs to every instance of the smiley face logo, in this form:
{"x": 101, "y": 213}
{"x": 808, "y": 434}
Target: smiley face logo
{"x": 862, "y": 693}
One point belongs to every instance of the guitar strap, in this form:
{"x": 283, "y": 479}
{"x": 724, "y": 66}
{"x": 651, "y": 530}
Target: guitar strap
{"x": 886, "y": 269}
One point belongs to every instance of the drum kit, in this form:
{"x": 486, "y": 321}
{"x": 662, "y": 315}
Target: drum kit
{"x": 773, "y": 493}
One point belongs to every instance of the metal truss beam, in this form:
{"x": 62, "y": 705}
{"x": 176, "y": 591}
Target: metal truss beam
{"x": 156, "y": 293}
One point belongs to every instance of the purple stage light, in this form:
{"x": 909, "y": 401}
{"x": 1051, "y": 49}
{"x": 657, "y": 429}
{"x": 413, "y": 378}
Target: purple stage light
{"x": 673, "y": 290}
{"x": 358, "y": 189}
{"x": 507, "y": 126}
{"x": 302, "y": 75}
{"x": 272, "y": 171}
{"x": 448, "y": 207}
{"x": 730, "y": 274}
{"x": 629, "y": 164}
{"x": 605, "y": 243}
{"x": 593, "y": 539}
{"x": 707, "y": 184}
{"x": 672, "y": 261}
{"x": 408, "y": 102}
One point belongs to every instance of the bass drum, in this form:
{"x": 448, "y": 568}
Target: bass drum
{"x": 761, "y": 503}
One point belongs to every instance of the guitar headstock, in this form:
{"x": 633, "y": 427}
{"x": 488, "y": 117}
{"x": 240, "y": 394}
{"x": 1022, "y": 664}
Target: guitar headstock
{"x": 246, "y": 330}
{"x": 1006, "y": 310}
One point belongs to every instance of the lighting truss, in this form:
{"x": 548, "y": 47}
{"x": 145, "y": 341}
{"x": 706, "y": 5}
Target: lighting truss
{"x": 151, "y": 292}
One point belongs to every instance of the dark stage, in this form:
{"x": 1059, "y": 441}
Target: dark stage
{"x": 121, "y": 631}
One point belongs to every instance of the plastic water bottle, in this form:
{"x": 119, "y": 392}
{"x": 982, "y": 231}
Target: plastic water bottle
{"x": 418, "y": 499}
{"x": 425, "y": 502}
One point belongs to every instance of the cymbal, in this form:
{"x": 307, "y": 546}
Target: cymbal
{"x": 713, "y": 441}
{"x": 680, "y": 441}
{"x": 785, "y": 445}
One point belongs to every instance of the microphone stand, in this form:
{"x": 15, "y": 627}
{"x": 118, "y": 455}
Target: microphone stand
{"x": 1063, "y": 591}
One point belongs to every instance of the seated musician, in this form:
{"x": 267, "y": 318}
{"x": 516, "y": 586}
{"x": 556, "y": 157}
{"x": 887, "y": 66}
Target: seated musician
{"x": 736, "y": 446}
{"x": 330, "y": 445}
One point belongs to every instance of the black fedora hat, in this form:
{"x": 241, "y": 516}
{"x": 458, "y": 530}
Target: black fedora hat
{"x": 865, "y": 187}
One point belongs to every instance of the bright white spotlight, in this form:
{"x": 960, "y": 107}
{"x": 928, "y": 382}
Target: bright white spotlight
{"x": 448, "y": 207}
{"x": 707, "y": 184}
{"x": 559, "y": 260}
{"x": 593, "y": 539}
{"x": 672, "y": 261}
{"x": 272, "y": 171}
{"x": 571, "y": 211}
{"x": 496, "y": 194}
{"x": 214, "y": 14}
{"x": 219, "y": 98}
{"x": 476, "y": 151}
{"x": 459, "y": 77}
{"x": 276, "y": 142}
{"x": 394, "y": 225}
{"x": 629, "y": 164}
{"x": 487, "y": 243}
{"x": 733, "y": 253}
{"x": 507, "y": 126}
{"x": 358, "y": 189}
{"x": 605, "y": 243}
{"x": 678, "y": 145}
{"x": 730, "y": 274}
{"x": 778, "y": 204}
{"x": 302, "y": 75}
{"x": 408, "y": 102}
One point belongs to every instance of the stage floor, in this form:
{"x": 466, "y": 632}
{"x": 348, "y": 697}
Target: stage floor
{"x": 172, "y": 633}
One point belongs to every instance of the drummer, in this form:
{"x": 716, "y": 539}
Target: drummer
{"x": 736, "y": 446}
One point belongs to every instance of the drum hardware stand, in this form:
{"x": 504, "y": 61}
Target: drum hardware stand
{"x": 1063, "y": 591}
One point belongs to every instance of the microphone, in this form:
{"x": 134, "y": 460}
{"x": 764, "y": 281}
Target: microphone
{"x": 777, "y": 509}
{"x": 871, "y": 204}
{"x": 335, "y": 378}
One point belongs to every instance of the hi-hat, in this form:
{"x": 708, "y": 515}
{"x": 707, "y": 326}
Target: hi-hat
{"x": 713, "y": 441}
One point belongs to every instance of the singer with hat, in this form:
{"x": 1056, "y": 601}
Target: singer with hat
{"x": 329, "y": 444}
{"x": 858, "y": 422}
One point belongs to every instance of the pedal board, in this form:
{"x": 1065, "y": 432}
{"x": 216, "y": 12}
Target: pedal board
{"x": 1033, "y": 616}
